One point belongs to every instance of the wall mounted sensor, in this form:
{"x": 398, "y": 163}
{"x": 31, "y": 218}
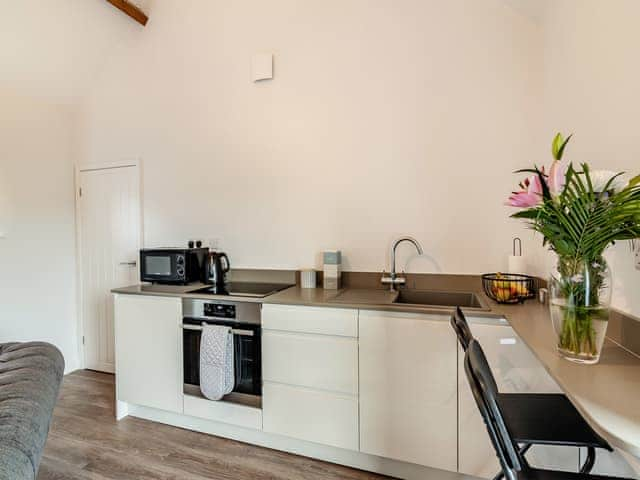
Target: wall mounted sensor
{"x": 262, "y": 67}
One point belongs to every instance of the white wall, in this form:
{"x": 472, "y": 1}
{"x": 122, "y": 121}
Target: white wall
{"x": 37, "y": 263}
{"x": 384, "y": 118}
{"x": 591, "y": 89}
{"x": 50, "y": 53}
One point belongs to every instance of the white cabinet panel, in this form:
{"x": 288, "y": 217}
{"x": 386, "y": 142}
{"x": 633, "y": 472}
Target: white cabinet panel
{"x": 516, "y": 370}
{"x": 614, "y": 464}
{"x": 311, "y": 415}
{"x": 326, "y": 321}
{"x": 408, "y": 388}
{"x": 226, "y": 412}
{"x": 316, "y": 361}
{"x": 149, "y": 351}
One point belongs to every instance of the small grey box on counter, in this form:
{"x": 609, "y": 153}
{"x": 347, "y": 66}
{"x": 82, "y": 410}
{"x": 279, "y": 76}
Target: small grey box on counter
{"x": 332, "y": 257}
{"x": 332, "y": 260}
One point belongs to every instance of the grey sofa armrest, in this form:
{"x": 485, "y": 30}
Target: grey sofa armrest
{"x": 30, "y": 378}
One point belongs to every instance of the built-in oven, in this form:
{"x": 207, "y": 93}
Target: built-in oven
{"x": 244, "y": 320}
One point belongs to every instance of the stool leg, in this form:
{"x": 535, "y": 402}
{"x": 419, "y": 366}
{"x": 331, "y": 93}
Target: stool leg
{"x": 590, "y": 461}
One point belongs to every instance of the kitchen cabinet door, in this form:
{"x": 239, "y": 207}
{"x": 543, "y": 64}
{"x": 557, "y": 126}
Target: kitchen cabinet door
{"x": 149, "y": 351}
{"x": 614, "y": 463}
{"x": 313, "y": 415}
{"x": 408, "y": 388}
{"x": 341, "y": 322}
{"x": 322, "y": 362}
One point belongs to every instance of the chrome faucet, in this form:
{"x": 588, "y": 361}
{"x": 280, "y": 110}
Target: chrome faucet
{"x": 393, "y": 279}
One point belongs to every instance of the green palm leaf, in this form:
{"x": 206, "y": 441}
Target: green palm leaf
{"x": 582, "y": 223}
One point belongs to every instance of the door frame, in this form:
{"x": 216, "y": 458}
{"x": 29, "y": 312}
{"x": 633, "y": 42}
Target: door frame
{"x": 78, "y": 169}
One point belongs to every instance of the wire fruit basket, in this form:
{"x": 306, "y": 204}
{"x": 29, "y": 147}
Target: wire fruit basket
{"x": 508, "y": 287}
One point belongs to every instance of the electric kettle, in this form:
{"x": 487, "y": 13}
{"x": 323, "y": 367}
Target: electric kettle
{"x": 219, "y": 266}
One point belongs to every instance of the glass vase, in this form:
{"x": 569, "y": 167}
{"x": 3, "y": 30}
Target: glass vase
{"x": 580, "y": 298}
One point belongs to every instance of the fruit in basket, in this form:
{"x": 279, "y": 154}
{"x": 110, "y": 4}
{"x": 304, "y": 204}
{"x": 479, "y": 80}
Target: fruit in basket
{"x": 508, "y": 288}
{"x": 497, "y": 284}
{"x": 519, "y": 289}
{"x": 503, "y": 294}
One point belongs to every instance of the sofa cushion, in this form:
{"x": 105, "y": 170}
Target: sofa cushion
{"x": 30, "y": 377}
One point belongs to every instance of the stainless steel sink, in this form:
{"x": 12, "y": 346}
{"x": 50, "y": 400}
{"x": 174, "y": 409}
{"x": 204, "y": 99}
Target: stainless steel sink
{"x": 440, "y": 299}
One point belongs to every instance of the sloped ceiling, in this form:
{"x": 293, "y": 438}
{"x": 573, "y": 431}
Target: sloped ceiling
{"x": 55, "y": 48}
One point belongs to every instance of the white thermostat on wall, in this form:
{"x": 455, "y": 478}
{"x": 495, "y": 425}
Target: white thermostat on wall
{"x": 262, "y": 67}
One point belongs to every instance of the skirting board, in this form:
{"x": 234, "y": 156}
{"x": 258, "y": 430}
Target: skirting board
{"x": 339, "y": 456}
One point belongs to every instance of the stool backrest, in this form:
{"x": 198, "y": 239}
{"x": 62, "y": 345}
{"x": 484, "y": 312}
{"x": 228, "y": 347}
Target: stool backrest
{"x": 485, "y": 393}
{"x": 461, "y": 327}
{"x": 488, "y": 422}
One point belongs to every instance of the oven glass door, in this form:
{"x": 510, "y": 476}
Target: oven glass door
{"x": 247, "y": 357}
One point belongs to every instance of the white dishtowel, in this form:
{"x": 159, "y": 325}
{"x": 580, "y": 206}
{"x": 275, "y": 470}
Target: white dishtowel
{"x": 216, "y": 361}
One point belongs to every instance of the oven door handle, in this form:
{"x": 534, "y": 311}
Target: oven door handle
{"x": 234, "y": 331}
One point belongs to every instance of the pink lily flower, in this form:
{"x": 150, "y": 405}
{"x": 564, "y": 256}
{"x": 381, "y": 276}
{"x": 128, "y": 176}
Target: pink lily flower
{"x": 529, "y": 196}
{"x": 557, "y": 178}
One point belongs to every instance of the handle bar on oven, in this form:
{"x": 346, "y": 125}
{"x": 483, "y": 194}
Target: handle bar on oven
{"x": 234, "y": 331}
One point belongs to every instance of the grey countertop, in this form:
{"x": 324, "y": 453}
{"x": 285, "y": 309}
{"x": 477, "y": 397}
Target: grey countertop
{"x": 182, "y": 291}
{"x": 607, "y": 394}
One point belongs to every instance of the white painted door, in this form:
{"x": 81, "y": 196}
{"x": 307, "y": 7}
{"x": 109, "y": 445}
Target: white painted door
{"x": 109, "y": 225}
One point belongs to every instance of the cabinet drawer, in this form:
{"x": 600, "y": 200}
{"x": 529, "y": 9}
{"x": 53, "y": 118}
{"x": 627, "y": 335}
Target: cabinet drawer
{"x": 326, "y": 321}
{"x": 306, "y": 414}
{"x": 316, "y": 361}
{"x": 226, "y": 412}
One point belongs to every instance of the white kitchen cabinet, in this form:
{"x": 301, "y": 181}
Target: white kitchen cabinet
{"x": 516, "y": 370}
{"x": 310, "y": 373}
{"x": 225, "y": 412}
{"x": 320, "y": 320}
{"x": 309, "y": 414}
{"x": 614, "y": 463}
{"x": 316, "y": 361}
{"x": 149, "y": 351}
{"x": 408, "y": 388}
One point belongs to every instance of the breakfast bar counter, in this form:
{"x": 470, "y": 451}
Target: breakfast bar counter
{"x": 607, "y": 394}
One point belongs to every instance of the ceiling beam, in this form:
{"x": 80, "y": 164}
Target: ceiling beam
{"x": 131, "y": 10}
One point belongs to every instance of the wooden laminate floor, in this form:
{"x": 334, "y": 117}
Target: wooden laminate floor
{"x": 86, "y": 443}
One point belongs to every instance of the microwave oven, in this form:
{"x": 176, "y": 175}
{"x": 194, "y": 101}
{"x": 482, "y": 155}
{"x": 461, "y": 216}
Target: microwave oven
{"x": 179, "y": 266}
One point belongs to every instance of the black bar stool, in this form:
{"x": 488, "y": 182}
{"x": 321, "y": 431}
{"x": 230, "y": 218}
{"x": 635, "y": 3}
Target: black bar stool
{"x": 514, "y": 465}
{"x": 538, "y": 418}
